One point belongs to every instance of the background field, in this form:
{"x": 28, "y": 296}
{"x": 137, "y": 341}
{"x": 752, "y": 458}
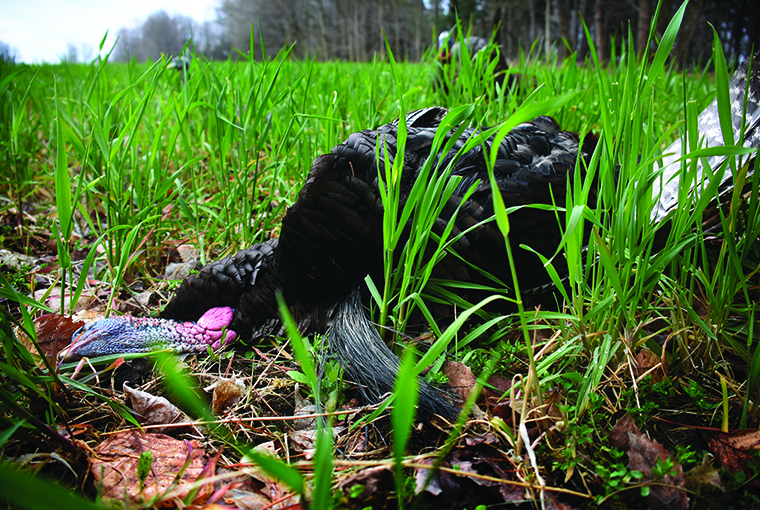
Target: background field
{"x": 110, "y": 167}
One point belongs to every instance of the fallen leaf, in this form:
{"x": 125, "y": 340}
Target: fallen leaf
{"x": 91, "y": 314}
{"x": 356, "y": 443}
{"x": 188, "y": 253}
{"x": 647, "y": 360}
{"x": 644, "y": 455}
{"x": 247, "y": 499}
{"x": 211, "y": 506}
{"x": 304, "y": 432}
{"x": 461, "y": 379}
{"x": 485, "y": 459}
{"x": 176, "y": 464}
{"x": 54, "y": 332}
{"x": 375, "y": 481}
{"x": 497, "y": 389}
{"x": 16, "y": 261}
{"x": 506, "y": 471}
{"x": 668, "y": 492}
{"x": 226, "y": 393}
{"x": 303, "y": 407}
{"x": 552, "y": 503}
{"x": 53, "y": 300}
{"x": 166, "y": 212}
{"x": 179, "y": 270}
{"x": 258, "y": 490}
{"x": 734, "y": 449}
{"x": 496, "y": 393}
{"x": 154, "y": 410}
{"x": 146, "y": 298}
{"x": 619, "y": 435}
{"x": 704, "y": 475}
{"x": 441, "y": 481}
{"x": 77, "y": 429}
{"x": 305, "y": 440}
{"x": 488, "y": 438}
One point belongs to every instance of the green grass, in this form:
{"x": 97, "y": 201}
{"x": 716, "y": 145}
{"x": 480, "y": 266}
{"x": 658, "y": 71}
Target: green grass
{"x": 127, "y": 159}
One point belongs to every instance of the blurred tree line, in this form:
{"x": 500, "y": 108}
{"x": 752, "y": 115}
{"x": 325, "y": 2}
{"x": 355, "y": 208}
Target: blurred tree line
{"x": 161, "y": 33}
{"x": 351, "y": 30}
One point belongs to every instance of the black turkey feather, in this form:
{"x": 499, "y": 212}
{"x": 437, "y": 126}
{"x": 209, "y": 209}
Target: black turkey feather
{"x": 332, "y": 238}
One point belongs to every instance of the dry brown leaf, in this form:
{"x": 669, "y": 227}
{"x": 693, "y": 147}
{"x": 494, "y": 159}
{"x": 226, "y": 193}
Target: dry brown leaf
{"x": 94, "y": 313}
{"x": 668, "y": 492}
{"x": 375, "y": 480}
{"x": 647, "y": 360}
{"x": 154, "y": 410}
{"x": 245, "y": 499}
{"x": 704, "y": 475}
{"x": 643, "y": 456}
{"x": 497, "y": 397}
{"x": 54, "y": 332}
{"x": 483, "y": 458}
{"x": 16, "y": 261}
{"x": 305, "y": 440}
{"x": 504, "y": 410}
{"x": 489, "y": 438}
{"x": 461, "y": 379}
{"x": 53, "y": 300}
{"x": 115, "y": 467}
{"x": 188, "y": 253}
{"x": 497, "y": 389}
{"x": 553, "y": 401}
{"x": 254, "y": 494}
{"x": 304, "y": 433}
{"x": 440, "y": 482}
{"x": 619, "y": 435}
{"x": 146, "y": 298}
{"x": 258, "y": 490}
{"x": 211, "y": 506}
{"x": 181, "y": 270}
{"x": 551, "y": 503}
{"x": 734, "y": 449}
{"x": 356, "y": 443}
{"x": 226, "y": 393}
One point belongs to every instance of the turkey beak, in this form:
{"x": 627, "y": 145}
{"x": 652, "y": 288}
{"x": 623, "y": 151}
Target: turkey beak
{"x": 69, "y": 353}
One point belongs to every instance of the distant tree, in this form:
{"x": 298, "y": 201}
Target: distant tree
{"x": 351, "y": 30}
{"x": 87, "y": 52}
{"x": 7, "y": 54}
{"x": 645, "y": 20}
{"x": 127, "y": 44}
{"x": 236, "y": 16}
{"x": 211, "y": 41}
{"x": 72, "y": 54}
{"x": 325, "y": 29}
{"x": 159, "y": 34}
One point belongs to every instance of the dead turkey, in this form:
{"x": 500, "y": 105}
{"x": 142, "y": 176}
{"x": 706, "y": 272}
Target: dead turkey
{"x": 332, "y": 239}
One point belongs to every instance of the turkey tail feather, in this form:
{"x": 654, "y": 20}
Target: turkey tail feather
{"x": 367, "y": 361}
{"x": 746, "y": 133}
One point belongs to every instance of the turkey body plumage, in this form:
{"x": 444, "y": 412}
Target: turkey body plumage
{"x": 331, "y": 238}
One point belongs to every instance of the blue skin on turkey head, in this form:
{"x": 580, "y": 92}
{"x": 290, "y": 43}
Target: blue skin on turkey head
{"x": 118, "y": 335}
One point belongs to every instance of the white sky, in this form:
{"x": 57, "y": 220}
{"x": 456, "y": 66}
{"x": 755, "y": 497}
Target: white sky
{"x": 41, "y": 30}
